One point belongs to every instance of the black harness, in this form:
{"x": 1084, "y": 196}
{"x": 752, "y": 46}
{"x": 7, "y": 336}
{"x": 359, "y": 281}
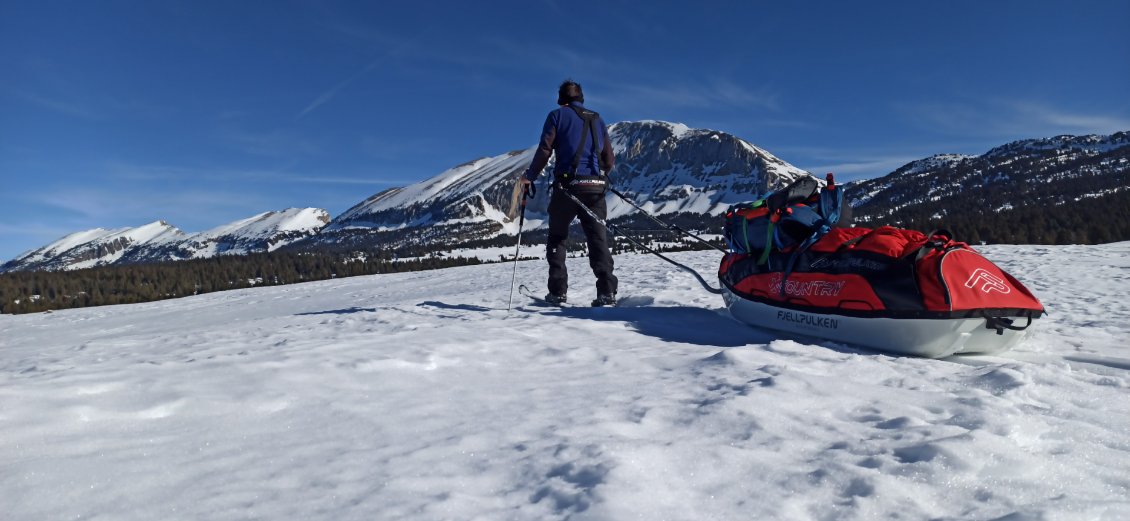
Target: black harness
{"x": 569, "y": 179}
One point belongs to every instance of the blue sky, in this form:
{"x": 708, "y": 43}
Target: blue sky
{"x": 200, "y": 113}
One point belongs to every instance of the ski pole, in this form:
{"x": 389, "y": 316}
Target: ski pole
{"x": 521, "y": 221}
{"x": 611, "y": 227}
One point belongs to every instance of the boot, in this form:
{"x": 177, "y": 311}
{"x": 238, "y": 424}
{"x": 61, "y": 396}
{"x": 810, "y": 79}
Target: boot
{"x": 556, "y": 300}
{"x": 604, "y": 300}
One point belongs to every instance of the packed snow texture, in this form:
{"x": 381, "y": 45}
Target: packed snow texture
{"x": 418, "y": 396}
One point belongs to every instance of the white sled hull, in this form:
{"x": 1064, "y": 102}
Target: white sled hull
{"x": 930, "y": 338}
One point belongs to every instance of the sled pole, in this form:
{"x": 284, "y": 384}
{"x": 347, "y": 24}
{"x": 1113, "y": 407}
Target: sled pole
{"x": 670, "y": 227}
{"x": 517, "y": 247}
{"x": 614, "y": 228}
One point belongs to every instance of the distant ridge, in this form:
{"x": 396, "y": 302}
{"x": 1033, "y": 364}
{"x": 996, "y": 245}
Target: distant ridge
{"x": 669, "y": 168}
{"x": 1028, "y": 191}
{"x": 1059, "y": 190}
{"x": 159, "y": 241}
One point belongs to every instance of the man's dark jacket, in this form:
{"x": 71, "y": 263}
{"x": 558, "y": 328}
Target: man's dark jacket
{"x": 561, "y": 134}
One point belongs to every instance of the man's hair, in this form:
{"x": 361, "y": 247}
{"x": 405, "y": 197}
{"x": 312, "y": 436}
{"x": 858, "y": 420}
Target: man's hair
{"x": 568, "y": 92}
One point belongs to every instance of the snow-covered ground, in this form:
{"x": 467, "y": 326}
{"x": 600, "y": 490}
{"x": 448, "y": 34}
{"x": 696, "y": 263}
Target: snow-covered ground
{"x": 418, "y": 396}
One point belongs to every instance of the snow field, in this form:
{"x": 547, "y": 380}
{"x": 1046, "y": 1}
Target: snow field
{"x": 417, "y": 396}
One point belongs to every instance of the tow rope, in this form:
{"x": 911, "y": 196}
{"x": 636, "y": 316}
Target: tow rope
{"x": 670, "y": 227}
{"x": 610, "y": 226}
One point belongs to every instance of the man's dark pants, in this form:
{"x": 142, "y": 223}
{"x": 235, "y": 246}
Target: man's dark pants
{"x": 562, "y": 210}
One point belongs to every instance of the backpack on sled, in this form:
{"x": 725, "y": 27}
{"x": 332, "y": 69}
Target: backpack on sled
{"x": 796, "y": 216}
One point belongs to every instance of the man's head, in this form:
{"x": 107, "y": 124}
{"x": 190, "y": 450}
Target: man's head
{"x": 568, "y": 92}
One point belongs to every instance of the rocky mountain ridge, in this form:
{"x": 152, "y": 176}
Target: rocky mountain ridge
{"x": 1025, "y": 191}
{"x": 666, "y": 168}
{"x": 159, "y": 241}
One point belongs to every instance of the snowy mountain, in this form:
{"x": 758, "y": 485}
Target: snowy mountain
{"x": 265, "y": 232}
{"x": 97, "y": 247}
{"x": 160, "y": 241}
{"x": 1036, "y": 181}
{"x": 417, "y": 396}
{"x": 667, "y": 167}
{"x": 674, "y": 171}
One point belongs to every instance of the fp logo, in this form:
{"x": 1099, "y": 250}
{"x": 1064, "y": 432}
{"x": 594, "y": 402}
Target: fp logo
{"x": 988, "y": 282}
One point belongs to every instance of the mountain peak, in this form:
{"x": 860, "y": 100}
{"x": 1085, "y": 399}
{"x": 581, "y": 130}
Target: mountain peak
{"x": 676, "y": 130}
{"x": 160, "y": 241}
{"x": 670, "y": 166}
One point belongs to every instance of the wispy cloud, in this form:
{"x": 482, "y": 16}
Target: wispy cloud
{"x": 70, "y": 100}
{"x": 503, "y": 52}
{"x": 1012, "y": 119}
{"x": 34, "y": 229}
{"x": 394, "y": 49}
{"x": 854, "y": 162}
{"x": 718, "y": 94}
{"x": 108, "y": 207}
{"x": 276, "y": 143}
{"x": 623, "y": 83}
{"x": 345, "y": 180}
{"x": 1072, "y": 122}
{"x": 20, "y": 238}
{"x": 65, "y": 107}
{"x": 862, "y": 168}
{"x": 70, "y": 210}
{"x": 167, "y": 173}
{"x": 328, "y": 95}
{"x": 403, "y": 147}
{"x": 616, "y": 80}
{"x": 119, "y": 171}
{"x": 786, "y": 123}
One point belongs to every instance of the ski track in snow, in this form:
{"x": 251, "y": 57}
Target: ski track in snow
{"x": 417, "y": 396}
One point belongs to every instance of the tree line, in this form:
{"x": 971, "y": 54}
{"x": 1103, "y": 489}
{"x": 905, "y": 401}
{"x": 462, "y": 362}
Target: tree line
{"x": 1040, "y": 197}
{"x": 1050, "y": 221}
{"x": 1088, "y": 220}
{"x": 36, "y": 291}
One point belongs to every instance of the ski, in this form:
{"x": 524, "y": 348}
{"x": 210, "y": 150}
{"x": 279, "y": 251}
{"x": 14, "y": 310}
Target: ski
{"x": 620, "y": 302}
{"x": 539, "y": 300}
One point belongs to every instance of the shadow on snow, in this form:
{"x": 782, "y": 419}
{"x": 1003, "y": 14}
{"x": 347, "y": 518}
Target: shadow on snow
{"x": 346, "y": 311}
{"x": 683, "y": 324}
{"x": 456, "y": 307}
